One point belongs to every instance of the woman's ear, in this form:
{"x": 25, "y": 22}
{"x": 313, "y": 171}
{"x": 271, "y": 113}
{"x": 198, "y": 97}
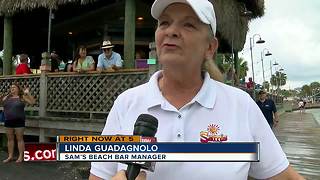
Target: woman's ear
{"x": 213, "y": 47}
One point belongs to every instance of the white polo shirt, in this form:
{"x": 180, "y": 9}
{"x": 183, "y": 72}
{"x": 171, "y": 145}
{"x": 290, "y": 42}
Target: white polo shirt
{"x": 229, "y": 110}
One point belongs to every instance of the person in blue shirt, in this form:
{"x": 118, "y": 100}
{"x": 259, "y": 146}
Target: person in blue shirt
{"x": 109, "y": 60}
{"x": 268, "y": 109}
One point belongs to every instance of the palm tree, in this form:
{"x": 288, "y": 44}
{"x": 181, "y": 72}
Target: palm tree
{"x": 305, "y": 91}
{"x": 266, "y": 85}
{"x": 278, "y": 79}
{"x": 243, "y": 68}
{"x": 314, "y": 85}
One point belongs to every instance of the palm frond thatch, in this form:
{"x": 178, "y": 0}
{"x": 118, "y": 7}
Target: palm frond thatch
{"x": 232, "y": 23}
{"x": 10, "y": 7}
{"x": 255, "y": 6}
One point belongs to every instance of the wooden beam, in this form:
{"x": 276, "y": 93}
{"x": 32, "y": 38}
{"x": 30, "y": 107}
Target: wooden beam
{"x": 129, "y": 33}
{"x": 7, "y": 45}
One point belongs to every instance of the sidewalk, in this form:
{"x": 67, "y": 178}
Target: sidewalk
{"x": 299, "y": 137}
{"x": 41, "y": 170}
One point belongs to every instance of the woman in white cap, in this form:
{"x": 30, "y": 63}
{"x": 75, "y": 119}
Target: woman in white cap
{"x": 186, "y": 98}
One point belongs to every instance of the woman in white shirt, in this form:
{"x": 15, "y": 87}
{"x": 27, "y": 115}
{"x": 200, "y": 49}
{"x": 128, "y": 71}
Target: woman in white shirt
{"x": 82, "y": 62}
{"x": 186, "y": 98}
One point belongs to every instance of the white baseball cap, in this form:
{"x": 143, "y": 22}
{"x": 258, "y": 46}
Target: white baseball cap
{"x": 203, "y": 9}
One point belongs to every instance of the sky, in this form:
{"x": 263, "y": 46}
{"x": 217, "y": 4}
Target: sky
{"x": 291, "y": 29}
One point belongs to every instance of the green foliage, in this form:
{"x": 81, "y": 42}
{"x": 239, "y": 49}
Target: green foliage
{"x": 243, "y": 69}
{"x": 226, "y": 64}
{"x": 310, "y": 90}
{"x": 314, "y": 85}
{"x": 266, "y": 85}
{"x": 286, "y": 93}
{"x": 279, "y": 79}
{"x": 305, "y": 91}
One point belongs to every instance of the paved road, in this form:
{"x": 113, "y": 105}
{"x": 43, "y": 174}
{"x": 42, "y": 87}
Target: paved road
{"x": 299, "y": 136}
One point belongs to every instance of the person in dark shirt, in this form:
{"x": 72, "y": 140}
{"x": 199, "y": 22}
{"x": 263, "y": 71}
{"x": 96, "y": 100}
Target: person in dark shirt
{"x": 13, "y": 108}
{"x": 55, "y": 61}
{"x": 268, "y": 109}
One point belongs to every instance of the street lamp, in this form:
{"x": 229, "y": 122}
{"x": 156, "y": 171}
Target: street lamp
{"x": 260, "y": 41}
{"x": 267, "y": 54}
{"x": 271, "y": 76}
{"x": 274, "y": 64}
{"x": 280, "y": 75}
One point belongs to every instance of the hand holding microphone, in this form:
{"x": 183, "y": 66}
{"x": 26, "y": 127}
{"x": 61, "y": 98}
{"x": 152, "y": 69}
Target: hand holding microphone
{"x": 146, "y": 125}
{"x": 121, "y": 175}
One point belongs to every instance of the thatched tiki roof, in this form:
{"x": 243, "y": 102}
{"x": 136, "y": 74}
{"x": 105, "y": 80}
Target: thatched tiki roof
{"x": 232, "y": 24}
{"x": 10, "y": 7}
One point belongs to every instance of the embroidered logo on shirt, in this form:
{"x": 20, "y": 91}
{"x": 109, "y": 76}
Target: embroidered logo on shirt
{"x": 212, "y": 134}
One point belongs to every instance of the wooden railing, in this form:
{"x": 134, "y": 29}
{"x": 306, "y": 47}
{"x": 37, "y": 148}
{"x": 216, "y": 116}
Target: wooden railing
{"x": 30, "y": 81}
{"x": 72, "y": 94}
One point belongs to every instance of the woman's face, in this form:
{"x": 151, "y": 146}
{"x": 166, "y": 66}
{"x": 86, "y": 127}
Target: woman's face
{"x": 83, "y": 52}
{"x": 181, "y": 38}
{"x": 14, "y": 90}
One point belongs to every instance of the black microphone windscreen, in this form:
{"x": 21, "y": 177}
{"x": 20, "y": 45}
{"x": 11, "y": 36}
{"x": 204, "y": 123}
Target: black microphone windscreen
{"x": 146, "y": 125}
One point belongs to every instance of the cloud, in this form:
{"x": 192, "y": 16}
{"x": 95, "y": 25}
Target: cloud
{"x": 291, "y": 31}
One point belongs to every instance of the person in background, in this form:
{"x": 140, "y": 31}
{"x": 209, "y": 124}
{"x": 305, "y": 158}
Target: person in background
{"x": 268, "y": 108}
{"x": 69, "y": 66}
{"x": 186, "y": 97}
{"x": 13, "y": 108}
{"x": 55, "y": 61}
{"x": 82, "y": 62}
{"x": 301, "y": 105}
{"x": 250, "y": 84}
{"x": 304, "y": 103}
{"x": 23, "y": 67}
{"x": 140, "y": 54}
{"x": 108, "y": 60}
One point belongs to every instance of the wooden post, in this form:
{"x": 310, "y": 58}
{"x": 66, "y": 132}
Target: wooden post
{"x": 105, "y": 33}
{"x": 7, "y": 45}
{"x": 236, "y": 67}
{"x": 152, "y": 55}
{"x": 42, "y": 136}
{"x": 45, "y": 67}
{"x": 129, "y": 33}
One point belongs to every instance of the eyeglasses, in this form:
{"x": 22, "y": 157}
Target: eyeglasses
{"x": 107, "y": 49}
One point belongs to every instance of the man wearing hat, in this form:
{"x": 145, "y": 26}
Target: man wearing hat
{"x": 268, "y": 108}
{"x": 109, "y": 59}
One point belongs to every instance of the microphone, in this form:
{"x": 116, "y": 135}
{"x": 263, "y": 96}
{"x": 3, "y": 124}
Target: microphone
{"x": 146, "y": 125}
